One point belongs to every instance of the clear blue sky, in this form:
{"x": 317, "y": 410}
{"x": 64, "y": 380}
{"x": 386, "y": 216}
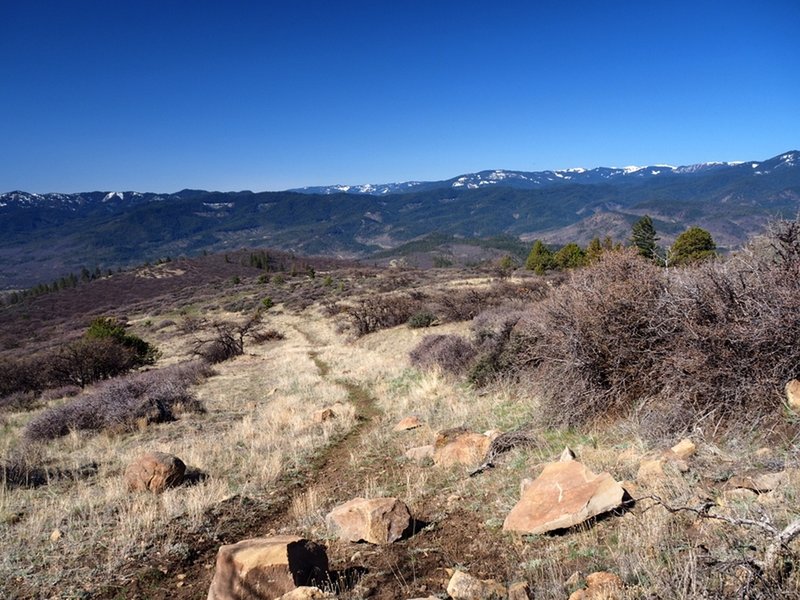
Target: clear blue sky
{"x": 160, "y": 96}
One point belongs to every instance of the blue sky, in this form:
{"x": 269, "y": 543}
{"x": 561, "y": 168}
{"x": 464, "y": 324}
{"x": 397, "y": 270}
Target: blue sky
{"x": 160, "y": 96}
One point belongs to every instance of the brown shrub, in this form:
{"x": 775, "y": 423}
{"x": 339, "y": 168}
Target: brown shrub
{"x": 451, "y": 353}
{"x": 123, "y": 404}
{"x": 714, "y": 343}
{"x": 377, "y": 312}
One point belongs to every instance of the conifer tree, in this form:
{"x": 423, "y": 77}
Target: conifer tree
{"x": 643, "y": 236}
{"x": 540, "y": 258}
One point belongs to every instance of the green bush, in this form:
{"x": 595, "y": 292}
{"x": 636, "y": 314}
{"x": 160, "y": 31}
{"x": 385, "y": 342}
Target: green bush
{"x": 421, "y": 319}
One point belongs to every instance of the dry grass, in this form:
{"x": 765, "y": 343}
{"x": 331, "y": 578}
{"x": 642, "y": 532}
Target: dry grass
{"x": 259, "y": 425}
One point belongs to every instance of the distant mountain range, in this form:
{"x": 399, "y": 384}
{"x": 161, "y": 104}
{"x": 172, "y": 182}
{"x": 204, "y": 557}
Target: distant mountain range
{"x": 525, "y": 180}
{"x": 44, "y": 236}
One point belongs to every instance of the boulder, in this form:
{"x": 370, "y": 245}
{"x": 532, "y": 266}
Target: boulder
{"x": 408, "y": 423}
{"x": 268, "y": 567}
{"x": 377, "y": 520}
{"x": 154, "y": 472}
{"x": 463, "y": 586}
{"x": 420, "y": 454}
{"x": 793, "y": 394}
{"x": 565, "y": 494}
{"x": 460, "y": 447}
{"x": 600, "y": 586}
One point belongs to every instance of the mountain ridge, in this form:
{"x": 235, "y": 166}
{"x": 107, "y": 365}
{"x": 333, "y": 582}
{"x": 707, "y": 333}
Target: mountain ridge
{"x": 46, "y": 236}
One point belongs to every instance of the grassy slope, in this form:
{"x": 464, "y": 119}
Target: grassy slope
{"x": 274, "y": 469}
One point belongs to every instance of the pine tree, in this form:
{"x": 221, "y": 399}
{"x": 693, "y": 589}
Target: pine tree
{"x": 693, "y": 245}
{"x": 643, "y": 236}
{"x": 540, "y": 258}
{"x": 594, "y": 250}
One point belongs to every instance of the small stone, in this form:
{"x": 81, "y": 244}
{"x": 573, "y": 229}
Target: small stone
{"x": 684, "y": 449}
{"x": 56, "y": 535}
{"x": 600, "y": 586}
{"x": 463, "y": 586}
{"x": 181, "y": 576}
{"x": 420, "y": 454}
{"x": 567, "y": 455}
{"x": 793, "y": 394}
{"x": 154, "y": 472}
{"x": 408, "y": 423}
{"x": 459, "y": 447}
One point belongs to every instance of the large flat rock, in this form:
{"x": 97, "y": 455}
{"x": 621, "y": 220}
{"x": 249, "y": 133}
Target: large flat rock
{"x": 564, "y": 495}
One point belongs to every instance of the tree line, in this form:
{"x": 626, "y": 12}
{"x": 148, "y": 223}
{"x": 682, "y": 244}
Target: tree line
{"x": 692, "y": 246}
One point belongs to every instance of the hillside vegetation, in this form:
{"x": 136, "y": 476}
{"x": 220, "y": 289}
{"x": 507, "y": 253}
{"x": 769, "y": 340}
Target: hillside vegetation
{"x": 671, "y": 381}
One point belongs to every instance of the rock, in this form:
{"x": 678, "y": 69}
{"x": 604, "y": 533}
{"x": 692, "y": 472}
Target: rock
{"x": 377, "y": 520}
{"x": 567, "y": 455}
{"x": 565, "y": 494}
{"x": 303, "y": 593}
{"x": 56, "y": 535}
{"x": 600, "y": 586}
{"x": 760, "y": 483}
{"x": 408, "y": 423}
{"x": 420, "y": 454}
{"x": 519, "y": 591}
{"x": 684, "y": 449}
{"x": 154, "y": 472}
{"x": 463, "y": 586}
{"x": 793, "y": 394}
{"x": 267, "y": 568}
{"x": 459, "y": 447}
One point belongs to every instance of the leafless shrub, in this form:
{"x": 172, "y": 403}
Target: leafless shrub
{"x": 450, "y": 353}
{"x": 192, "y": 324}
{"x": 711, "y": 344}
{"x": 18, "y": 401}
{"x": 227, "y": 339}
{"x": 492, "y": 331}
{"x": 266, "y": 335}
{"x": 381, "y": 312}
{"x": 123, "y": 404}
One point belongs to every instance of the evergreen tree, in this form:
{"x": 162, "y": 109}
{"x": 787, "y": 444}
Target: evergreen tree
{"x": 570, "y": 256}
{"x": 643, "y": 236}
{"x": 693, "y": 245}
{"x": 540, "y": 258}
{"x": 594, "y": 250}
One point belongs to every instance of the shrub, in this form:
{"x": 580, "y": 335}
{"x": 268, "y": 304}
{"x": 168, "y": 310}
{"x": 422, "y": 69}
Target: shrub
{"x": 592, "y": 342}
{"x": 450, "y": 353}
{"x": 123, "y": 404}
{"x": 714, "y": 342}
{"x": 227, "y": 340}
{"x": 108, "y": 328}
{"x": 421, "y": 319}
{"x": 86, "y": 360}
{"x": 380, "y": 312}
{"x": 492, "y": 330}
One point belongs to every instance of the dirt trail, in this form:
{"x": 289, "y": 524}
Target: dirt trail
{"x": 244, "y": 517}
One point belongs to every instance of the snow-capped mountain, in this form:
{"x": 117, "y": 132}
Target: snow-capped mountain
{"x": 541, "y": 179}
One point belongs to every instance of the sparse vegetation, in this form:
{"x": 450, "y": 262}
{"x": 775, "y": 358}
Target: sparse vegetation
{"x": 617, "y": 360}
